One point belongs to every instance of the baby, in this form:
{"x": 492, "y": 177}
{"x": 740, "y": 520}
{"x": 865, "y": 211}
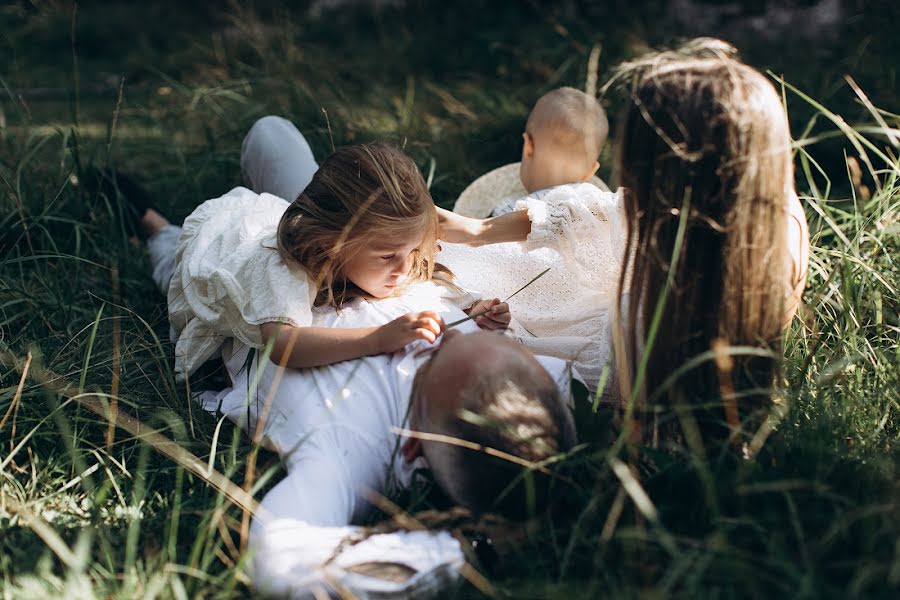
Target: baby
{"x": 563, "y": 137}
{"x": 562, "y": 141}
{"x": 559, "y": 315}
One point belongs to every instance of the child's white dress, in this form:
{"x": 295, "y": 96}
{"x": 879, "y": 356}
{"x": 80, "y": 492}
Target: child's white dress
{"x": 229, "y": 278}
{"x": 579, "y": 232}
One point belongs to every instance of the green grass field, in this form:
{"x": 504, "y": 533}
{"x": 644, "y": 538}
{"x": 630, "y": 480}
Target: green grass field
{"x": 167, "y": 93}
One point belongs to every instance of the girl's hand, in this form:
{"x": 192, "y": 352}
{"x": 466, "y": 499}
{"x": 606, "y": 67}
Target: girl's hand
{"x": 458, "y": 229}
{"x": 496, "y": 314}
{"x": 511, "y": 227}
{"x": 393, "y": 336}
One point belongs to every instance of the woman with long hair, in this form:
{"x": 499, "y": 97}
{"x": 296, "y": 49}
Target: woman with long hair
{"x": 716, "y": 247}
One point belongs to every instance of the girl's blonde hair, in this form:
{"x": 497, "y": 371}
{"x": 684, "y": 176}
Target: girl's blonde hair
{"x": 706, "y": 161}
{"x": 358, "y": 194}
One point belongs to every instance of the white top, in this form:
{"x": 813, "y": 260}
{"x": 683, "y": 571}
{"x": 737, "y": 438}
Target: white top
{"x": 590, "y": 234}
{"x": 229, "y": 277}
{"x": 336, "y": 427}
{"x": 586, "y": 226}
{"x": 579, "y": 232}
{"x": 481, "y": 197}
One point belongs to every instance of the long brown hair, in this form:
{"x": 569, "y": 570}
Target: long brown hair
{"x": 706, "y": 162}
{"x": 358, "y": 193}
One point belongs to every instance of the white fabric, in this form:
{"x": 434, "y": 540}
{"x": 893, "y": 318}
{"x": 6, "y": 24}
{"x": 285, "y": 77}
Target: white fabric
{"x": 481, "y": 197}
{"x": 161, "y": 247}
{"x": 332, "y": 424}
{"x": 579, "y": 232}
{"x": 300, "y": 562}
{"x": 276, "y": 159}
{"x": 586, "y": 226}
{"x": 336, "y": 426}
{"x": 229, "y": 277}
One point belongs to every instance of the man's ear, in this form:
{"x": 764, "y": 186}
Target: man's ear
{"x": 411, "y": 449}
{"x": 590, "y": 173}
{"x": 527, "y": 146}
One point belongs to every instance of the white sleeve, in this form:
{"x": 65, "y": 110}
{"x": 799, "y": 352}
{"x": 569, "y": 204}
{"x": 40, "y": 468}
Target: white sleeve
{"x": 585, "y": 225}
{"x": 301, "y": 543}
{"x": 229, "y": 277}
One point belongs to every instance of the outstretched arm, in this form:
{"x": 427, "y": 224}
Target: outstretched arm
{"x": 302, "y": 347}
{"x": 798, "y": 246}
{"x": 457, "y": 229}
{"x": 296, "y": 556}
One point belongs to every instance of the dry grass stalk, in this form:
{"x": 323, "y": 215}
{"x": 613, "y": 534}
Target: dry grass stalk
{"x": 446, "y": 439}
{"x": 14, "y": 405}
{"x": 116, "y": 357}
{"x": 97, "y": 404}
{"x": 44, "y": 531}
{"x": 724, "y": 367}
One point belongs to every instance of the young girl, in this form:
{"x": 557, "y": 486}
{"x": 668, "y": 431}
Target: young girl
{"x": 254, "y": 267}
{"x": 717, "y": 243}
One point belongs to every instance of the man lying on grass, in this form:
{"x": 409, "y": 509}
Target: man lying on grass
{"x": 479, "y": 409}
{"x": 345, "y": 432}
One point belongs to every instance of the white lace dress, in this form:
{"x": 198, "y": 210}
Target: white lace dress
{"x": 579, "y": 232}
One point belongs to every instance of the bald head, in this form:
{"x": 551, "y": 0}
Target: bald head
{"x": 571, "y": 120}
{"x": 491, "y": 394}
{"x": 564, "y": 135}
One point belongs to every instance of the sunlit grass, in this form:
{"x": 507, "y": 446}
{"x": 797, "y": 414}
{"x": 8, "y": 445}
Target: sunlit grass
{"x": 84, "y": 513}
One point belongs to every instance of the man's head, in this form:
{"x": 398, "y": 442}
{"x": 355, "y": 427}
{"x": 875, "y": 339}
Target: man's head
{"x": 562, "y": 141}
{"x": 489, "y": 400}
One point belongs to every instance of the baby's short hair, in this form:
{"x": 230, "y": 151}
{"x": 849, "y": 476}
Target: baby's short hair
{"x": 516, "y": 411}
{"x": 574, "y": 120}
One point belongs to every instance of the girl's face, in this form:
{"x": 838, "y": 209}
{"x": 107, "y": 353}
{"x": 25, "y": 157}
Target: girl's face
{"x": 380, "y": 267}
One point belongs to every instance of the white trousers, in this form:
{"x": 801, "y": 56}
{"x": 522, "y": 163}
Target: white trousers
{"x": 275, "y": 159}
{"x": 291, "y": 557}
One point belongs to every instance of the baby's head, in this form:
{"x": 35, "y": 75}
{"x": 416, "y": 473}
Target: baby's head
{"x": 563, "y": 137}
{"x": 364, "y": 226}
{"x": 491, "y": 394}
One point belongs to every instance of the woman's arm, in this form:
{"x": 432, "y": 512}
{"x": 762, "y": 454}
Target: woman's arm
{"x": 798, "y": 246}
{"x": 457, "y": 229}
{"x": 302, "y": 347}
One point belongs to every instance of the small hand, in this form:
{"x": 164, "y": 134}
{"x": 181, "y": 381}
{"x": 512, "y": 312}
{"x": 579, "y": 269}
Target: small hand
{"x": 458, "y": 229}
{"x": 496, "y": 314}
{"x": 393, "y": 336}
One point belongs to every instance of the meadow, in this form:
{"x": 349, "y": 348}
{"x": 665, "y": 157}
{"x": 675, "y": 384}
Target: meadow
{"x": 155, "y": 505}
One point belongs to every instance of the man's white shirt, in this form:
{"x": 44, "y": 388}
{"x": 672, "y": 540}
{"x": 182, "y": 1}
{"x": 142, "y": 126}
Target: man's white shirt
{"x": 336, "y": 428}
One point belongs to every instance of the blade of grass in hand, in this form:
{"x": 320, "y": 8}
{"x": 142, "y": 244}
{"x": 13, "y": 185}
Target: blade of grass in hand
{"x": 508, "y": 298}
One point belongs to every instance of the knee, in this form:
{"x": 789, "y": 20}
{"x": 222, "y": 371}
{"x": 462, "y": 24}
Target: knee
{"x": 265, "y": 138}
{"x": 263, "y": 129}
{"x": 270, "y": 121}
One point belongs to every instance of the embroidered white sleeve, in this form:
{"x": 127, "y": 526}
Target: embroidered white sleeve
{"x": 585, "y": 225}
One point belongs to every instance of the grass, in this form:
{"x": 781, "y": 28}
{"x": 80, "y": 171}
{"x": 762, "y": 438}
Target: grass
{"x": 90, "y": 512}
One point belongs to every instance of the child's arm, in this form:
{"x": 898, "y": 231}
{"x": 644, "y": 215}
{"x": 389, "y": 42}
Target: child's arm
{"x": 457, "y": 229}
{"x": 496, "y": 314}
{"x": 302, "y": 347}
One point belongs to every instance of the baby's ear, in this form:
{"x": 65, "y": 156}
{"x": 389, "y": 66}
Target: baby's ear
{"x": 591, "y": 172}
{"x": 528, "y": 145}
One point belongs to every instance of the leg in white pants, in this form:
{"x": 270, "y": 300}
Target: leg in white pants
{"x": 291, "y": 556}
{"x": 275, "y": 159}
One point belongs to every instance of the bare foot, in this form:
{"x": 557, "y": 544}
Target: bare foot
{"x": 152, "y": 222}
